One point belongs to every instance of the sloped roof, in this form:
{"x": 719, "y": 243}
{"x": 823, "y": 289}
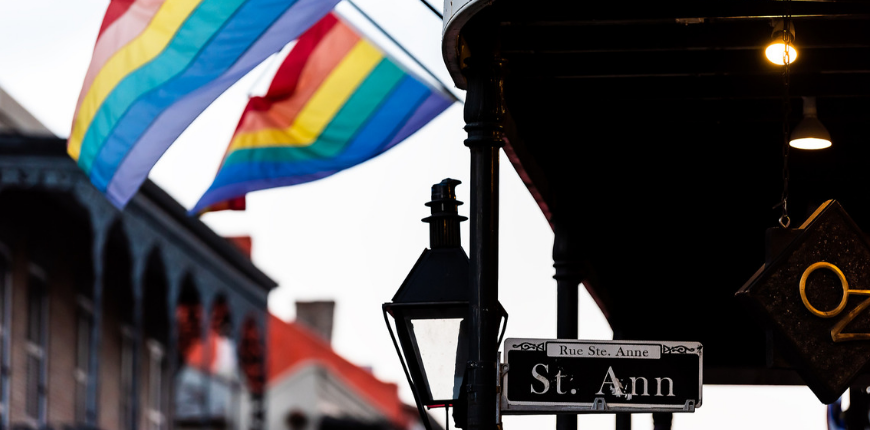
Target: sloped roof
{"x": 14, "y": 118}
{"x": 291, "y": 347}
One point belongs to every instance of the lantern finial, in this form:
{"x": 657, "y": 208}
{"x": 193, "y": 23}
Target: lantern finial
{"x": 445, "y": 218}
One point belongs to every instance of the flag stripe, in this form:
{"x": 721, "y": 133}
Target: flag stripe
{"x": 238, "y": 179}
{"x": 215, "y": 58}
{"x": 381, "y": 127}
{"x": 287, "y": 75}
{"x": 160, "y": 134}
{"x": 241, "y": 188}
{"x": 115, "y": 10}
{"x": 119, "y": 33}
{"x": 387, "y": 104}
{"x": 385, "y": 124}
{"x": 428, "y": 110}
{"x": 143, "y": 49}
{"x": 324, "y": 104}
{"x": 280, "y": 114}
{"x": 190, "y": 39}
{"x": 355, "y": 112}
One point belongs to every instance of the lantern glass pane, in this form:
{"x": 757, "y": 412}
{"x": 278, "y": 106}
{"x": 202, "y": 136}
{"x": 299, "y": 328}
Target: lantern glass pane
{"x": 443, "y": 351}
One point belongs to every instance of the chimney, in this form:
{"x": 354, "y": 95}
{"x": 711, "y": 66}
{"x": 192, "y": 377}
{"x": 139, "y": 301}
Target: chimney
{"x": 317, "y": 316}
{"x": 243, "y": 243}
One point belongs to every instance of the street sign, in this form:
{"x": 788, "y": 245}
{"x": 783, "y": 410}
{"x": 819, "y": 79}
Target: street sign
{"x": 567, "y": 375}
{"x": 813, "y": 296}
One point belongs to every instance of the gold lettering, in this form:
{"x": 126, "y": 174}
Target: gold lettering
{"x": 837, "y": 330}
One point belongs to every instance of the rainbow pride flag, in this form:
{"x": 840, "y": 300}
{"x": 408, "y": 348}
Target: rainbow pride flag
{"x": 157, "y": 64}
{"x": 336, "y": 101}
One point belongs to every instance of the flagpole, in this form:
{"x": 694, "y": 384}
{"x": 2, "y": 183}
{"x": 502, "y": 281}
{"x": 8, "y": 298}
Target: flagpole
{"x": 396, "y": 42}
{"x": 432, "y": 8}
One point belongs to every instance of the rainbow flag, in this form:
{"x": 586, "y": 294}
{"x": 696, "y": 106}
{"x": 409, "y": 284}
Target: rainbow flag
{"x": 335, "y": 102}
{"x": 157, "y": 64}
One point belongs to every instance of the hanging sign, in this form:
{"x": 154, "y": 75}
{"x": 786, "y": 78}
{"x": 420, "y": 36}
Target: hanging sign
{"x": 556, "y": 376}
{"x": 815, "y": 296}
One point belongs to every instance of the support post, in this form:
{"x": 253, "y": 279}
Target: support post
{"x": 484, "y": 113}
{"x": 208, "y": 303}
{"x": 100, "y": 238}
{"x": 139, "y": 270}
{"x": 856, "y": 416}
{"x": 175, "y": 276}
{"x": 259, "y": 412}
{"x": 662, "y": 420}
{"x": 623, "y": 421}
{"x": 568, "y": 278}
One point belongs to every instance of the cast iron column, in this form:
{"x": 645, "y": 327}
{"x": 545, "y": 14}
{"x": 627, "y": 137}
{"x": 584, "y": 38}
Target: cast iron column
{"x": 100, "y": 238}
{"x": 140, "y": 264}
{"x": 484, "y": 113}
{"x": 662, "y": 420}
{"x": 856, "y": 416}
{"x": 567, "y": 295}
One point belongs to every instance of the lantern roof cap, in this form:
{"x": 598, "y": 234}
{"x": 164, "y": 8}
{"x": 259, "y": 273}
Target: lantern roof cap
{"x": 439, "y": 275}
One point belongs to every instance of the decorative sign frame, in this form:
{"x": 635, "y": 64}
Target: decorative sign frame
{"x": 568, "y": 375}
{"x": 812, "y": 295}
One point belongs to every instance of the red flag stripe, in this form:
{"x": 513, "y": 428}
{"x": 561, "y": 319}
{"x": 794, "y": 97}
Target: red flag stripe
{"x": 312, "y": 66}
{"x": 116, "y": 9}
{"x": 287, "y": 76}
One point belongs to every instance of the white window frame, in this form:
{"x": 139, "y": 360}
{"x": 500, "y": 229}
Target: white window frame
{"x": 84, "y": 314}
{"x": 38, "y": 350}
{"x": 155, "y": 405}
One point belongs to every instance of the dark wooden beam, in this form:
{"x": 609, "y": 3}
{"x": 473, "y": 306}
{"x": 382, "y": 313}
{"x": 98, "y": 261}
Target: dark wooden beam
{"x": 633, "y": 12}
{"x": 673, "y": 36}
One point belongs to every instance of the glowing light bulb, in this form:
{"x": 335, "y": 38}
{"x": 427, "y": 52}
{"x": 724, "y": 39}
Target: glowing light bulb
{"x": 810, "y": 133}
{"x": 775, "y": 51}
{"x": 810, "y": 143}
{"x": 776, "y": 54}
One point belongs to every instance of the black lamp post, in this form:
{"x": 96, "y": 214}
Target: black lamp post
{"x": 431, "y": 308}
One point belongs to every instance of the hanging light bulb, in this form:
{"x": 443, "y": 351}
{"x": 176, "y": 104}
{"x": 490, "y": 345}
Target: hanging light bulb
{"x": 776, "y": 52}
{"x": 810, "y": 133}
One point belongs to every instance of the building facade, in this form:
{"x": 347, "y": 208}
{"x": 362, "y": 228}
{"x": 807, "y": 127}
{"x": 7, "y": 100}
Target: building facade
{"x": 101, "y": 310}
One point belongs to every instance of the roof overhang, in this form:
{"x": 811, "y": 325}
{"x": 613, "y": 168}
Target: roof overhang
{"x": 654, "y": 129}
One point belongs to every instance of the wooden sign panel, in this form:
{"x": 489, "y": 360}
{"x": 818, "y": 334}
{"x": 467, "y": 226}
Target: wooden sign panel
{"x": 814, "y": 295}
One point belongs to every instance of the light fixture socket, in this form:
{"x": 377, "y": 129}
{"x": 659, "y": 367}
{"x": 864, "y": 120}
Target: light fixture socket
{"x": 779, "y": 28}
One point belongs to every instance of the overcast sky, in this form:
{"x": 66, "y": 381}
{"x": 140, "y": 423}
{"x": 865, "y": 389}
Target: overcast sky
{"x": 354, "y": 236}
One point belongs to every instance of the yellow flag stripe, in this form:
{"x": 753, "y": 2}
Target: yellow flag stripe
{"x": 323, "y": 105}
{"x": 141, "y": 50}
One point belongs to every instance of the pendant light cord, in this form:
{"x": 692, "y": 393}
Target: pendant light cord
{"x": 784, "y": 219}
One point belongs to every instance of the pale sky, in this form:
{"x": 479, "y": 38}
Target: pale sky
{"x": 354, "y": 236}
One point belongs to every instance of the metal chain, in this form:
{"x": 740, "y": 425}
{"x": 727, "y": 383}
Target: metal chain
{"x": 784, "y": 220}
